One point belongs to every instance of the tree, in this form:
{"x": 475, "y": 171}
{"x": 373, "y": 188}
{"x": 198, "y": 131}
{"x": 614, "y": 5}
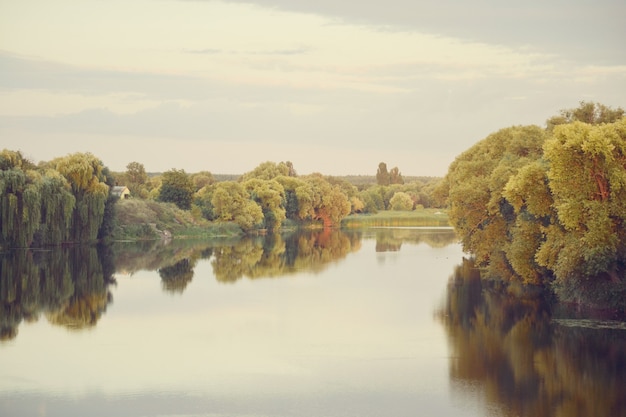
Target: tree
{"x": 136, "y": 178}
{"x": 323, "y": 201}
{"x": 269, "y": 195}
{"x": 231, "y": 202}
{"x": 587, "y": 179}
{"x": 382, "y": 176}
{"x": 586, "y": 112}
{"x": 401, "y": 201}
{"x": 395, "y": 177}
{"x": 476, "y": 180}
{"x": 84, "y": 173}
{"x": 270, "y": 170}
{"x": 20, "y": 201}
{"x": 177, "y": 188}
{"x": 202, "y": 179}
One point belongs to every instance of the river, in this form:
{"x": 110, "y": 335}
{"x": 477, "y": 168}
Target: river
{"x": 377, "y": 322}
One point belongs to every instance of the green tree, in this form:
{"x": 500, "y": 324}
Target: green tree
{"x": 136, "y": 179}
{"x": 177, "y": 188}
{"x": 202, "y": 179}
{"x": 323, "y": 201}
{"x": 231, "y": 202}
{"x": 270, "y": 170}
{"x": 587, "y": 112}
{"x": 476, "y": 181}
{"x": 20, "y": 200}
{"x": 84, "y": 173}
{"x": 587, "y": 179}
{"x": 401, "y": 201}
{"x": 269, "y": 195}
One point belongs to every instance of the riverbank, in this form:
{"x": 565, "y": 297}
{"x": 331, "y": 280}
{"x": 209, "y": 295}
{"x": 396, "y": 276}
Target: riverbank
{"x": 389, "y": 218}
{"x": 149, "y": 220}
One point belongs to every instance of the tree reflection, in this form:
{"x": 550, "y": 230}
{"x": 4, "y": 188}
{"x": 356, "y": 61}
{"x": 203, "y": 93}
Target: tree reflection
{"x": 176, "y": 277}
{"x": 68, "y": 285}
{"x": 276, "y": 255}
{"x": 391, "y": 240}
{"x": 527, "y": 363}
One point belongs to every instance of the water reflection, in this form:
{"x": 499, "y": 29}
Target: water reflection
{"x": 271, "y": 255}
{"x": 525, "y": 363}
{"x": 69, "y": 286}
{"x": 391, "y": 239}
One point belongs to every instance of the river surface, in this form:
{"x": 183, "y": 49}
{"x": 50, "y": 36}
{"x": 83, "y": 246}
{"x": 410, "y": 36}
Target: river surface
{"x": 379, "y": 322}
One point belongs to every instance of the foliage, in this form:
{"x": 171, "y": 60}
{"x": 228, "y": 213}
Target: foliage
{"x": 586, "y": 112}
{"x": 270, "y": 170}
{"x": 63, "y": 200}
{"x": 320, "y": 200}
{"x": 177, "y": 188}
{"x": 232, "y": 202}
{"x": 136, "y": 179}
{"x": 547, "y": 206}
{"x": 146, "y": 219}
{"x": 269, "y": 195}
{"x": 401, "y": 201}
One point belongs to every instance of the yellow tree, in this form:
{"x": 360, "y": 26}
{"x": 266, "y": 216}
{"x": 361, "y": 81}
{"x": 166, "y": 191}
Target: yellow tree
{"x": 475, "y": 183}
{"x": 323, "y": 201}
{"x": 231, "y": 202}
{"x": 587, "y": 179}
{"x": 269, "y": 195}
{"x": 83, "y": 172}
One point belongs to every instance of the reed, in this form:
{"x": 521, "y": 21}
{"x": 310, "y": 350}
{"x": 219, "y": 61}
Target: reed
{"x": 388, "y": 218}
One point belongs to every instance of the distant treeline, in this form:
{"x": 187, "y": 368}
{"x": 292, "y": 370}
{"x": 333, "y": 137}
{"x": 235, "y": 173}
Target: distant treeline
{"x": 73, "y": 198}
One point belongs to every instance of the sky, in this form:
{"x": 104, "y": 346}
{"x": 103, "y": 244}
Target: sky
{"x": 335, "y": 87}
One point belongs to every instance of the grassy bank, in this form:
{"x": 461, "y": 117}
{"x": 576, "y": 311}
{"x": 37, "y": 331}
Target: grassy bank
{"x": 419, "y": 217}
{"x": 144, "y": 219}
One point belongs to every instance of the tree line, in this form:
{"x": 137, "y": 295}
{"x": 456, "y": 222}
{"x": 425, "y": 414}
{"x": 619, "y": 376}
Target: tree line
{"x": 548, "y": 206}
{"x": 70, "y": 199}
{"x": 273, "y": 193}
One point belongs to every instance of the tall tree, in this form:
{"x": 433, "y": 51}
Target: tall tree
{"x": 84, "y": 173}
{"x": 136, "y": 178}
{"x": 382, "y": 175}
{"x": 395, "y": 177}
{"x": 20, "y": 200}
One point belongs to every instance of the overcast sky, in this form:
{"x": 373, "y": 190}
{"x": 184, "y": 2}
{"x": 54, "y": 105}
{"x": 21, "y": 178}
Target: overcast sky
{"x": 333, "y": 86}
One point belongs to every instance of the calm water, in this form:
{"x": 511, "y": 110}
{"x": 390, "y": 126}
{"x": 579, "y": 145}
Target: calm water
{"x": 383, "y": 322}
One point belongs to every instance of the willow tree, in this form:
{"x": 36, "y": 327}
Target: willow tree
{"x": 57, "y": 206}
{"x": 20, "y": 200}
{"x": 84, "y": 173}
